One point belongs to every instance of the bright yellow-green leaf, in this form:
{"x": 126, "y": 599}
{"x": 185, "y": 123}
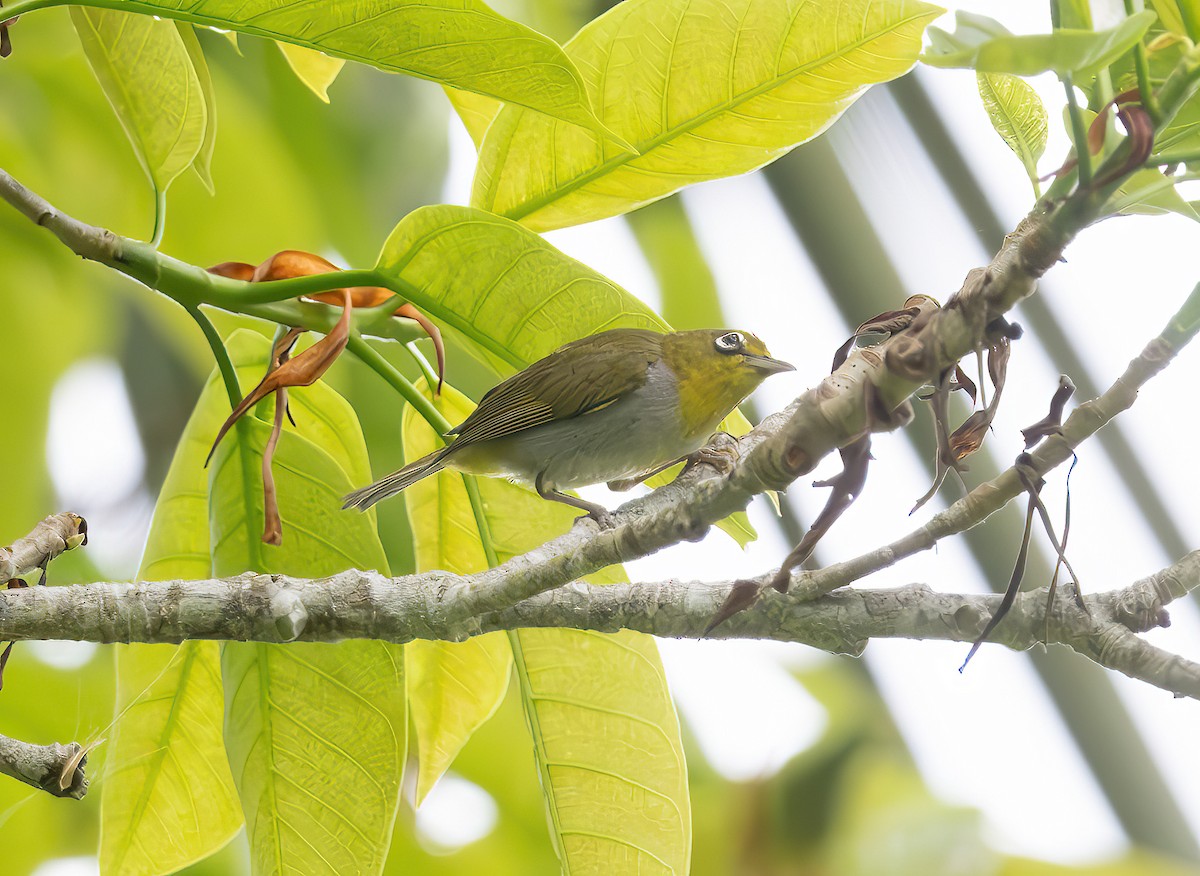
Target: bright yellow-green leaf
{"x": 315, "y": 69}
{"x": 983, "y": 43}
{"x": 1018, "y": 116}
{"x": 605, "y": 732}
{"x": 512, "y": 295}
{"x": 203, "y": 162}
{"x": 461, "y": 43}
{"x": 702, "y": 89}
{"x": 475, "y": 110}
{"x": 168, "y": 799}
{"x": 453, "y": 687}
{"x": 147, "y": 75}
{"x": 171, "y": 799}
{"x": 1148, "y": 192}
{"x": 315, "y": 734}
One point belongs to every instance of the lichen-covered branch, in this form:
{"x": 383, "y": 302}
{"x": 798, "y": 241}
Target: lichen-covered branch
{"x": 868, "y": 392}
{"x": 56, "y": 769}
{"x": 276, "y": 608}
{"x": 54, "y": 535}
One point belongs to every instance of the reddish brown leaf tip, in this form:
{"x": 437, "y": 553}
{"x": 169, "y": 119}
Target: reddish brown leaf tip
{"x": 741, "y": 596}
{"x": 234, "y": 271}
{"x": 5, "y": 39}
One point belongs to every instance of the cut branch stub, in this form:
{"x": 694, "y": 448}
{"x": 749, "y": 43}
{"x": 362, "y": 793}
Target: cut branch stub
{"x": 1051, "y": 424}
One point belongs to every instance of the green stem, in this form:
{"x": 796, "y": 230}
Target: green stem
{"x": 1083, "y": 157}
{"x": 1183, "y": 156}
{"x": 224, "y": 364}
{"x": 1145, "y": 90}
{"x": 160, "y": 218}
{"x": 385, "y": 369}
{"x": 21, "y": 7}
{"x": 272, "y": 291}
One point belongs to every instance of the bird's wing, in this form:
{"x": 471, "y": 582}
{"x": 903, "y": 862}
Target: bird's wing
{"x": 582, "y": 377}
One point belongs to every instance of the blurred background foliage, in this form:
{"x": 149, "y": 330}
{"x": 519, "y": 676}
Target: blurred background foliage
{"x": 293, "y": 172}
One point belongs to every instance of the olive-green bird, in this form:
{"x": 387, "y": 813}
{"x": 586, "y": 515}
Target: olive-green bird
{"x": 611, "y": 406}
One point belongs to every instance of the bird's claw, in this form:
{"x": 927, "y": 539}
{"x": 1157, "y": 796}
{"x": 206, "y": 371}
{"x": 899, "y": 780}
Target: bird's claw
{"x": 721, "y": 453}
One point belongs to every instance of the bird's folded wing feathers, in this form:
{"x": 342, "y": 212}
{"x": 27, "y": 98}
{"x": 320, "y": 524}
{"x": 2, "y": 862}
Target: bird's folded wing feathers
{"x": 577, "y": 379}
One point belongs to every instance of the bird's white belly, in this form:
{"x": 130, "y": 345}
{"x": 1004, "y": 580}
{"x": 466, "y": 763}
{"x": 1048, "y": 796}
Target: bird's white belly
{"x": 626, "y": 438}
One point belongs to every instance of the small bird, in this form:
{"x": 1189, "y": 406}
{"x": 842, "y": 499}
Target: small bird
{"x": 612, "y": 406}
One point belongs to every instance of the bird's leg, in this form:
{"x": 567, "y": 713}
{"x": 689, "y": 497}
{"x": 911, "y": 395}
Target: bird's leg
{"x": 597, "y": 512}
{"x": 626, "y": 483}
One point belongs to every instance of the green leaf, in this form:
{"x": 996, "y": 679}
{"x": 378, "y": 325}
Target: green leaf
{"x": 147, "y": 75}
{"x": 1181, "y": 17}
{"x": 476, "y": 111}
{"x": 315, "y": 734}
{"x": 986, "y": 45}
{"x": 702, "y": 89}
{"x": 315, "y": 69}
{"x": 170, "y": 799}
{"x": 1148, "y": 192}
{"x": 512, "y": 295}
{"x": 1169, "y": 16}
{"x": 605, "y": 733}
{"x": 204, "y": 156}
{"x": 453, "y": 687}
{"x": 1075, "y": 14}
{"x": 1018, "y": 116}
{"x": 461, "y": 43}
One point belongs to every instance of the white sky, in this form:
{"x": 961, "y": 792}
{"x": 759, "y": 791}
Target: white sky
{"x": 731, "y": 691}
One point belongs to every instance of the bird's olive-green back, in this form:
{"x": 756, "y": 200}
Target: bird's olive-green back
{"x": 576, "y": 379}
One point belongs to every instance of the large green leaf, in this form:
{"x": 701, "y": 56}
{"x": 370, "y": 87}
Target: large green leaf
{"x": 512, "y": 295}
{"x": 702, "y": 89}
{"x": 1018, "y": 116}
{"x": 988, "y": 46}
{"x": 315, "y": 734}
{"x": 170, "y": 799}
{"x": 453, "y": 686}
{"x": 148, "y": 76}
{"x": 605, "y": 732}
{"x": 461, "y": 43}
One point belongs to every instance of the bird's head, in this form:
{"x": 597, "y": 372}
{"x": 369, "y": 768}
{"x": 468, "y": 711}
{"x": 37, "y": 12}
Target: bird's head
{"x": 716, "y": 369}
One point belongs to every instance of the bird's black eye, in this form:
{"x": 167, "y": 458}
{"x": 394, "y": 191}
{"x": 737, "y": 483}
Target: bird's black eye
{"x": 730, "y": 342}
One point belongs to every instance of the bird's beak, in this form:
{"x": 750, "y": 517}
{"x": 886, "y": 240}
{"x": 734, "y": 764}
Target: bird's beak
{"x": 767, "y": 364}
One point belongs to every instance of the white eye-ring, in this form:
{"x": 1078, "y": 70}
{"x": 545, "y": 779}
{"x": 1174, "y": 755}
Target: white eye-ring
{"x": 730, "y": 342}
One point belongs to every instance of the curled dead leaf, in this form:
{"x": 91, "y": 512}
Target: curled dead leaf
{"x": 291, "y": 263}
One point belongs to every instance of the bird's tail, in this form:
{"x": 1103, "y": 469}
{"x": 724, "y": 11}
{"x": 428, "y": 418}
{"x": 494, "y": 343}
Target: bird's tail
{"x": 395, "y": 482}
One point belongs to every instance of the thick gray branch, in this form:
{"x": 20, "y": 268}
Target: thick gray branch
{"x": 276, "y": 608}
{"x": 56, "y": 769}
